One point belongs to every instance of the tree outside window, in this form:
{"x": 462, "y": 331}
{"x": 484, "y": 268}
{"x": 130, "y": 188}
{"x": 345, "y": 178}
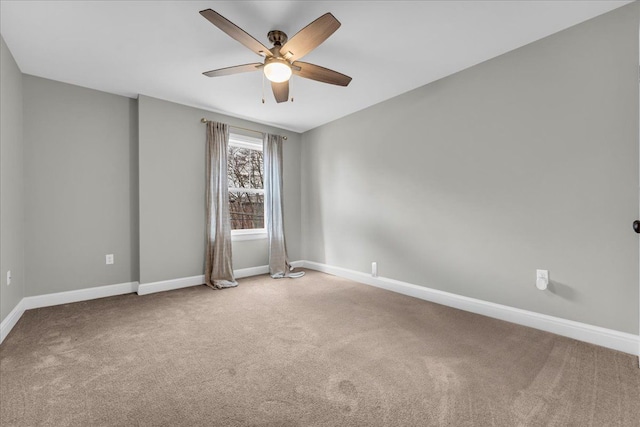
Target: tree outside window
{"x": 245, "y": 169}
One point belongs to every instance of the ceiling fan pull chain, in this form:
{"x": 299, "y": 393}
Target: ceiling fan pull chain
{"x": 262, "y": 87}
{"x": 291, "y": 86}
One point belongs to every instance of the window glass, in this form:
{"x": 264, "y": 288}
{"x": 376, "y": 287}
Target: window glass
{"x": 245, "y": 169}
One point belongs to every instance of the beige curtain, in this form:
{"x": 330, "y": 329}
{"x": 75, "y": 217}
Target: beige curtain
{"x": 218, "y": 268}
{"x": 279, "y": 266}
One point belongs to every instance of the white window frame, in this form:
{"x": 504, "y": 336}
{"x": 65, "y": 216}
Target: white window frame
{"x": 252, "y": 143}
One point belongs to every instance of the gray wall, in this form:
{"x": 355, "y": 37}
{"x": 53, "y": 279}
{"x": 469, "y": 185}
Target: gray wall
{"x": 11, "y": 183}
{"x": 527, "y": 161}
{"x": 80, "y": 187}
{"x": 172, "y": 178}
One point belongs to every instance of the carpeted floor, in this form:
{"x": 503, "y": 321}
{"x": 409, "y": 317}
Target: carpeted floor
{"x": 315, "y": 351}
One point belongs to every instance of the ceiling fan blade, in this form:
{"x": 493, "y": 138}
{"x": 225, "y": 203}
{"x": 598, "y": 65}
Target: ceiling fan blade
{"x": 310, "y": 37}
{"x": 321, "y": 74}
{"x": 237, "y": 69}
{"x": 236, "y": 32}
{"x": 281, "y": 91}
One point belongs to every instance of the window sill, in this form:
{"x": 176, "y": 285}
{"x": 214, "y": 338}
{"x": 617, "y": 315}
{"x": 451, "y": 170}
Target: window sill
{"x": 240, "y": 235}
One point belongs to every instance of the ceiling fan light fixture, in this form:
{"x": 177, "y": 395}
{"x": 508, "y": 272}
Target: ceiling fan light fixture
{"x": 277, "y": 71}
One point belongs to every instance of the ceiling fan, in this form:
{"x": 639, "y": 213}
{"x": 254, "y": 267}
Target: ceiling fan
{"x": 281, "y": 61}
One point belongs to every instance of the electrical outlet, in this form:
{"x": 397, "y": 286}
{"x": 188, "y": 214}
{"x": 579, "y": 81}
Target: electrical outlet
{"x": 109, "y": 259}
{"x": 8, "y": 277}
{"x": 374, "y": 269}
{"x": 542, "y": 279}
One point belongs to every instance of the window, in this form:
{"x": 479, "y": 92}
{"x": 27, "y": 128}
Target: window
{"x": 245, "y": 172}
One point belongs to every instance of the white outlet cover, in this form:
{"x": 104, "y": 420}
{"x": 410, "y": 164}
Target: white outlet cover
{"x": 542, "y": 279}
{"x": 109, "y": 259}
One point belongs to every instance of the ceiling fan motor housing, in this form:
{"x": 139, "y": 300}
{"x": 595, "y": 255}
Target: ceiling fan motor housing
{"x": 277, "y": 37}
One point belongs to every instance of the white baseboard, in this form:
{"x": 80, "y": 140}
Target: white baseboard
{"x": 10, "y": 321}
{"x": 609, "y": 338}
{"x": 86, "y": 294}
{"x": 251, "y": 271}
{"x": 261, "y": 269}
{"x": 297, "y": 264}
{"x": 168, "y": 285}
{"x": 47, "y": 300}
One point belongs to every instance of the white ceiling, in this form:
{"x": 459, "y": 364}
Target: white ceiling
{"x": 160, "y": 48}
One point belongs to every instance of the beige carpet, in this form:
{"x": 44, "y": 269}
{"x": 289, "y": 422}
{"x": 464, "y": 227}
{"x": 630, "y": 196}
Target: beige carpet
{"x": 315, "y": 351}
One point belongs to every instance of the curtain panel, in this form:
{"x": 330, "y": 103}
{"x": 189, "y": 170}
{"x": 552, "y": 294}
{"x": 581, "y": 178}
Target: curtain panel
{"x": 218, "y": 269}
{"x": 279, "y": 266}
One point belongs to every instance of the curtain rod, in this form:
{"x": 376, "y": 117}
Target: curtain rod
{"x": 203, "y": 120}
